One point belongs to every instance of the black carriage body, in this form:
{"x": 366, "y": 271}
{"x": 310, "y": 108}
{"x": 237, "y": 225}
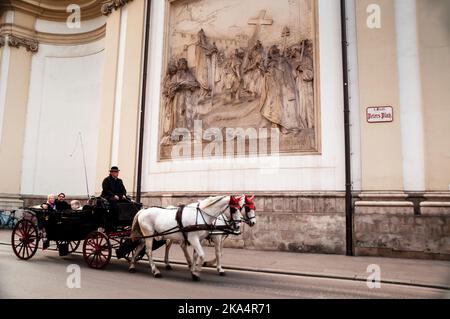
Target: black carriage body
{"x": 67, "y": 228}
{"x": 69, "y": 225}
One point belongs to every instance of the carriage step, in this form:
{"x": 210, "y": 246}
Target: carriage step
{"x": 63, "y": 249}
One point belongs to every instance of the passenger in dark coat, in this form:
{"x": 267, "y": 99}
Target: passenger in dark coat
{"x": 60, "y": 202}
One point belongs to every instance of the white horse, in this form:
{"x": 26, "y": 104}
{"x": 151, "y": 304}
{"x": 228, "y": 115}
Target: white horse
{"x": 159, "y": 223}
{"x": 218, "y": 238}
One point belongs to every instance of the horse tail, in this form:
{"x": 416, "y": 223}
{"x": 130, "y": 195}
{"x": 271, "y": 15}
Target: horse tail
{"x": 136, "y": 232}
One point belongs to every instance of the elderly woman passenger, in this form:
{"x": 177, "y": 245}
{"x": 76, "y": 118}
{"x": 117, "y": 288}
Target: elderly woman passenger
{"x": 50, "y": 204}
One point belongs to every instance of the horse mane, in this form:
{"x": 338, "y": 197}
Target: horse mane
{"x": 207, "y": 202}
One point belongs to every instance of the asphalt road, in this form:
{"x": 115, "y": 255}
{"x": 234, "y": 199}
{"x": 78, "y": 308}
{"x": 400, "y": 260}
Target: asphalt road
{"x": 46, "y": 276}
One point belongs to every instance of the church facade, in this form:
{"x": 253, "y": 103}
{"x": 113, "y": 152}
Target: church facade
{"x": 334, "y": 114}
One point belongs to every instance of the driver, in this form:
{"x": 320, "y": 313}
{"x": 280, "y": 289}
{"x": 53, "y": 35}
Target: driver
{"x": 113, "y": 188}
{"x": 114, "y": 191}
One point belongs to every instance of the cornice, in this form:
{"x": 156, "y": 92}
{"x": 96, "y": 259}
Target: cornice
{"x": 109, "y": 6}
{"x": 72, "y": 39}
{"x": 18, "y": 41}
{"x": 54, "y": 10}
{"x": 52, "y": 38}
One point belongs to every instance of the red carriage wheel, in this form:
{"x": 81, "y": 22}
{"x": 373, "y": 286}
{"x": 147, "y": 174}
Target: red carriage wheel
{"x": 25, "y": 239}
{"x": 97, "y": 250}
{"x": 72, "y": 245}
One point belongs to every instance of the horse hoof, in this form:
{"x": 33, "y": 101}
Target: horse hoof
{"x": 222, "y": 273}
{"x": 158, "y": 275}
{"x": 168, "y": 267}
{"x": 195, "y": 277}
{"x": 132, "y": 270}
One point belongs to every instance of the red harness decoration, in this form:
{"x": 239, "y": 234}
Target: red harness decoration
{"x": 234, "y": 202}
{"x": 249, "y": 202}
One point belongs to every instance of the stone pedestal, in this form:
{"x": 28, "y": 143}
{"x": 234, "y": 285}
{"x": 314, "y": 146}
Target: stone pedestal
{"x": 387, "y": 225}
{"x": 8, "y": 203}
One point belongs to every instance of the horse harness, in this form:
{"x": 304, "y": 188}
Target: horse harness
{"x": 198, "y": 227}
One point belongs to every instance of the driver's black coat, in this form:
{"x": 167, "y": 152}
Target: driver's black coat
{"x": 113, "y": 186}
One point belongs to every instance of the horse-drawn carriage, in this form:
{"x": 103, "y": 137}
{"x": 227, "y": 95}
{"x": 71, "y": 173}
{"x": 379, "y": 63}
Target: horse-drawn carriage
{"x": 131, "y": 235}
{"x": 96, "y": 224}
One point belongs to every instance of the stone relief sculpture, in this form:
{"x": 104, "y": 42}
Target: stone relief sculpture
{"x": 261, "y": 75}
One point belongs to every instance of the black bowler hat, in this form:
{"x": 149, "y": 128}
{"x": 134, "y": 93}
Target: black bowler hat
{"x": 114, "y": 169}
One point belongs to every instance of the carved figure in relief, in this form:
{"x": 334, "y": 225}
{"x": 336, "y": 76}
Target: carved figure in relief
{"x": 232, "y": 85}
{"x": 279, "y": 98}
{"x": 254, "y": 70}
{"x": 205, "y": 62}
{"x": 168, "y": 118}
{"x": 182, "y": 90}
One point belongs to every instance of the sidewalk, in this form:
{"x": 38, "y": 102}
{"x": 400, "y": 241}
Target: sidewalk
{"x": 428, "y": 273}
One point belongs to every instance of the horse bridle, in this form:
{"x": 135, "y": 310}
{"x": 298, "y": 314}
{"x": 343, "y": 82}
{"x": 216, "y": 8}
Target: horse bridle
{"x": 248, "y": 209}
{"x": 249, "y": 206}
{"x": 233, "y": 222}
{"x": 233, "y": 210}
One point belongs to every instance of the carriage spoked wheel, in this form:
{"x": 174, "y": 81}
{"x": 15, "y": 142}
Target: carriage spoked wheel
{"x": 25, "y": 239}
{"x": 97, "y": 250}
{"x": 72, "y": 245}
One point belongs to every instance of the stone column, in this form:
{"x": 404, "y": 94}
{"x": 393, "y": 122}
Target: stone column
{"x": 410, "y": 92}
{"x": 381, "y": 156}
{"x": 15, "y": 71}
{"x": 355, "y": 116}
{"x": 121, "y": 93}
{"x": 108, "y": 97}
{"x": 132, "y": 77}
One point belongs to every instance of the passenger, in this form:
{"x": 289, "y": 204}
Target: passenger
{"x": 50, "y": 204}
{"x": 60, "y": 202}
{"x": 50, "y": 207}
{"x": 75, "y": 205}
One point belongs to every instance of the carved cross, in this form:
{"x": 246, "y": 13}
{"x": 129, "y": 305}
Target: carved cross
{"x": 258, "y": 22}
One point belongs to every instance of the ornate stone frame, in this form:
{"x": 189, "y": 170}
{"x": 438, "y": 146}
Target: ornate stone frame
{"x": 317, "y": 93}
